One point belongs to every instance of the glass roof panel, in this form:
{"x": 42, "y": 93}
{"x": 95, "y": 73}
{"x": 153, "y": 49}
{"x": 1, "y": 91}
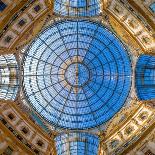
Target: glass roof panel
{"x": 9, "y": 82}
{"x": 145, "y": 77}
{"x": 78, "y": 75}
{"x": 77, "y": 144}
{"x": 77, "y": 7}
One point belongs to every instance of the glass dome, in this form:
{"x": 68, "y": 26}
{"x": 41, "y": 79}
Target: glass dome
{"x": 77, "y": 74}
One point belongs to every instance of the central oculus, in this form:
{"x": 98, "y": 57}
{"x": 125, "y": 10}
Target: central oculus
{"x": 76, "y": 74}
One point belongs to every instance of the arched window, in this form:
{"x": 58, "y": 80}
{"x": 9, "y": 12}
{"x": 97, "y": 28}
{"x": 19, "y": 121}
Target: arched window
{"x": 40, "y": 143}
{"x": 11, "y": 116}
{"x": 25, "y": 130}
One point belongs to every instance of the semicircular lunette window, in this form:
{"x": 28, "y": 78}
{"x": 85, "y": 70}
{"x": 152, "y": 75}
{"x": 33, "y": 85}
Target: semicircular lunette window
{"x": 77, "y": 74}
{"x": 77, "y": 7}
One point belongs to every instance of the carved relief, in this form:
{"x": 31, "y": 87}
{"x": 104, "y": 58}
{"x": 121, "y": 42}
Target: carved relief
{"x": 128, "y": 131}
{"x": 146, "y": 40}
{"x": 133, "y": 23}
{"x": 114, "y": 143}
{"x": 118, "y": 9}
{"x": 143, "y": 116}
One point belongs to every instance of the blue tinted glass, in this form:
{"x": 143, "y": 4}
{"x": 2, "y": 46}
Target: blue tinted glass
{"x": 2, "y": 5}
{"x": 77, "y": 74}
{"x": 77, "y": 7}
{"x": 77, "y": 144}
{"x": 39, "y": 122}
{"x": 145, "y": 77}
{"x": 152, "y": 7}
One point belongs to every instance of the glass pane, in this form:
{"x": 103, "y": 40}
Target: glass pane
{"x": 145, "y": 77}
{"x": 77, "y": 7}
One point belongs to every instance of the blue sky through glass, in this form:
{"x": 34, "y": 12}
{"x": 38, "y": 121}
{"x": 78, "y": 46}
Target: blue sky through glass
{"x": 77, "y": 7}
{"x": 77, "y": 144}
{"x": 145, "y": 77}
{"x": 77, "y": 74}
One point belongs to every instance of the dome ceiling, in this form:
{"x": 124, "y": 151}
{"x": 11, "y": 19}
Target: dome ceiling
{"x": 80, "y": 71}
{"x": 77, "y": 74}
